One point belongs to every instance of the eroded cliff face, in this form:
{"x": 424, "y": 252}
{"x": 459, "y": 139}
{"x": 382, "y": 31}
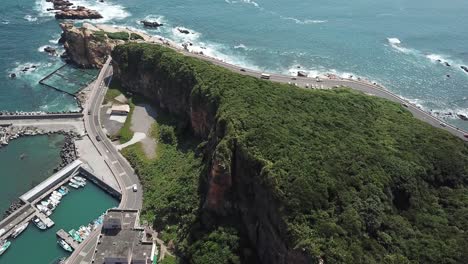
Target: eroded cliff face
{"x": 234, "y": 188}
{"x": 83, "y": 47}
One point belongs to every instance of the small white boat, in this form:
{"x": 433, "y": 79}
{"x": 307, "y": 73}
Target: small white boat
{"x": 79, "y": 183}
{"x": 78, "y": 178}
{"x": 56, "y": 193}
{"x": 54, "y": 200}
{"x": 64, "y": 245}
{"x": 71, "y": 184}
{"x": 39, "y": 223}
{"x": 45, "y": 203}
{"x": 19, "y": 229}
{"x": 57, "y": 197}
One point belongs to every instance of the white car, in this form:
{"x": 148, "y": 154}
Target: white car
{"x": 135, "y": 188}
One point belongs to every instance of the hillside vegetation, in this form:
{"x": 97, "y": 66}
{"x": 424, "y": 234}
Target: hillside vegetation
{"x": 309, "y": 174}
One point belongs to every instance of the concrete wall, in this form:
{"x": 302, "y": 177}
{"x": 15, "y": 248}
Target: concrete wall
{"x": 46, "y": 116}
{"x": 90, "y": 176}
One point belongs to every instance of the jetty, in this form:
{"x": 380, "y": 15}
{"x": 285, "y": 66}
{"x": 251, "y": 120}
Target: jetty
{"x": 67, "y": 238}
{"x": 34, "y": 196}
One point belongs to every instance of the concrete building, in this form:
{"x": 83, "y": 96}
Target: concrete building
{"x": 120, "y": 109}
{"x": 122, "y": 240}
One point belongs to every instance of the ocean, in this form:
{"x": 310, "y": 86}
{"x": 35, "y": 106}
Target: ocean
{"x": 403, "y": 45}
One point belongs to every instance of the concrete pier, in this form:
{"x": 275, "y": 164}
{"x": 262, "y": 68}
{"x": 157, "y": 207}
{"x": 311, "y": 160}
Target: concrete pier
{"x": 65, "y": 236}
{"x": 46, "y": 220}
{"x": 43, "y": 190}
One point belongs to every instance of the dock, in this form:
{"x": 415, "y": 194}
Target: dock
{"x": 67, "y": 238}
{"x": 34, "y": 196}
{"x": 46, "y": 220}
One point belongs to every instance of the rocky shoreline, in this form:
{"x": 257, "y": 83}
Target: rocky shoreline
{"x": 65, "y": 9}
{"x": 15, "y": 205}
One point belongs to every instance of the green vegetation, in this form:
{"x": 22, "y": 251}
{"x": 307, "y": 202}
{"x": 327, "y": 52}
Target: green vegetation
{"x": 121, "y": 35}
{"x": 135, "y": 36}
{"x": 118, "y": 35}
{"x": 99, "y": 35}
{"x": 169, "y": 260}
{"x": 126, "y": 133}
{"x": 357, "y": 178}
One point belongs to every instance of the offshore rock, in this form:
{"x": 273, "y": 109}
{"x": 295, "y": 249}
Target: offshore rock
{"x": 151, "y": 24}
{"x": 80, "y": 12}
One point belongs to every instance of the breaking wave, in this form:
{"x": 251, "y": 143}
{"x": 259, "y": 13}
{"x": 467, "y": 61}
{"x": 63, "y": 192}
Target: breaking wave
{"x": 30, "y": 18}
{"x": 304, "y": 22}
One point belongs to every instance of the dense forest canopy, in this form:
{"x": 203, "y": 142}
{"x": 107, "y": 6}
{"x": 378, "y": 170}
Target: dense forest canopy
{"x": 357, "y": 178}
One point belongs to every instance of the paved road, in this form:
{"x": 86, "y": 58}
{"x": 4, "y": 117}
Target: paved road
{"x": 361, "y": 86}
{"x": 124, "y": 173}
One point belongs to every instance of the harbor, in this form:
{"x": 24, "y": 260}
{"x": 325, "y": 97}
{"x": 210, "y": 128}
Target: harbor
{"x": 42, "y": 211}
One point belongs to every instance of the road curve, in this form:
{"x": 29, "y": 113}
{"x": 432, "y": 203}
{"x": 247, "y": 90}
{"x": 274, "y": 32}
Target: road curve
{"x": 119, "y": 166}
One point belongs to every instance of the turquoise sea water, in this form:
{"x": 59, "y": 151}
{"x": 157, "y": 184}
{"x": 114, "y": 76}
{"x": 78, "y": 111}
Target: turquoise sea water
{"x": 18, "y": 175}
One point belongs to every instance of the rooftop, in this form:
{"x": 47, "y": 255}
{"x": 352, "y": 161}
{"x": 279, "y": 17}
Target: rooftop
{"x": 121, "y": 244}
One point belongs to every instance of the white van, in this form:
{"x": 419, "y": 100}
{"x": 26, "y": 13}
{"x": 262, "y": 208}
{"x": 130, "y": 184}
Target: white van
{"x": 265, "y": 76}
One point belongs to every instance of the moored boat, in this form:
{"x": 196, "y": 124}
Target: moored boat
{"x": 73, "y": 185}
{"x": 79, "y": 183}
{"x": 64, "y": 245}
{"x": 4, "y": 245}
{"x": 39, "y": 223}
{"x": 78, "y": 178}
{"x": 75, "y": 236}
{"x": 56, "y": 193}
{"x": 19, "y": 229}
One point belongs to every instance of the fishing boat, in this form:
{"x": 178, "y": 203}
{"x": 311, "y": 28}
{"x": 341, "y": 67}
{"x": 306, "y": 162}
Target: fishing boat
{"x": 75, "y": 236}
{"x": 84, "y": 232}
{"x": 78, "y": 178}
{"x": 57, "y": 197}
{"x": 63, "y": 190}
{"x": 4, "y": 245}
{"x": 73, "y": 185}
{"x": 64, "y": 245}
{"x": 79, "y": 183}
{"x": 54, "y": 200}
{"x": 39, "y": 223}
{"x": 19, "y": 229}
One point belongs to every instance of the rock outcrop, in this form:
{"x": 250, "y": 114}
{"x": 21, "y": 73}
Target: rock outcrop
{"x": 83, "y": 47}
{"x": 151, "y": 24}
{"x": 65, "y": 10}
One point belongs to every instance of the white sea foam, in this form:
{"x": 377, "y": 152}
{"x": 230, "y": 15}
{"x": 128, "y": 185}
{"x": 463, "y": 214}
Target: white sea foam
{"x": 241, "y": 46}
{"x": 250, "y": 2}
{"x": 396, "y": 44}
{"x": 41, "y": 7}
{"x": 305, "y": 21}
{"x": 107, "y": 9}
{"x": 5, "y": 22}
{"x": 30, "y": 18}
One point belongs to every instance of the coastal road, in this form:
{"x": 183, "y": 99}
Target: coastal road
{"x": 122, "y": 170}
{"x": 362, "y": 86}
{"x": 119, "y": 166}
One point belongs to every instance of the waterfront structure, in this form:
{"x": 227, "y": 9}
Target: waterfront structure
{"x": 120, "y": 109}
{"x": 122, "y": 240}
